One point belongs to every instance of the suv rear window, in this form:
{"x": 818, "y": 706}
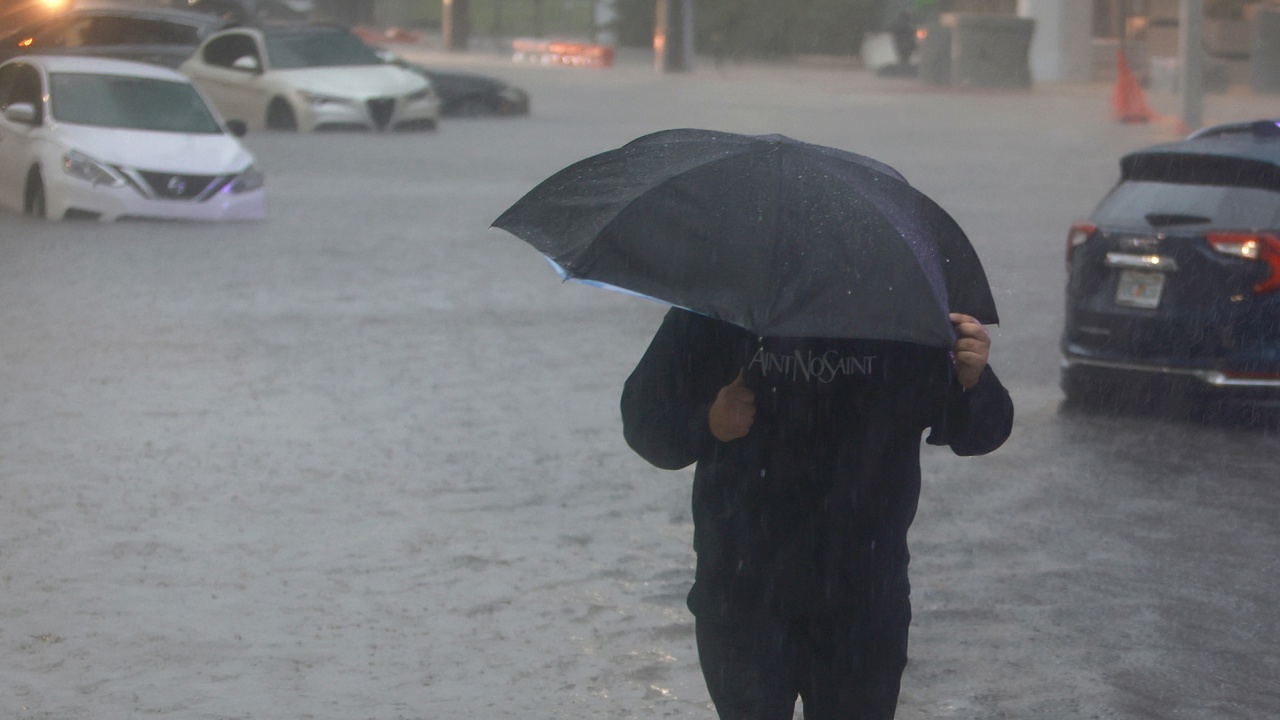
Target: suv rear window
{"x": 1201, "y": 169}
{"x": 1137, "y": 203}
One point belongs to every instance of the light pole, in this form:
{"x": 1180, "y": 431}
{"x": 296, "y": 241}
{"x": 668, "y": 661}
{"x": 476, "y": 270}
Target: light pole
{"x": 1191, "y": 48}
{"x": 673, "y": 35}
{"x": 456, "y": 25}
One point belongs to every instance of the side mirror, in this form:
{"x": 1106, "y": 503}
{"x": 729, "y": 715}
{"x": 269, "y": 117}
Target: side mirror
{"x": 24, "y": 113}
{"x": 247, "y": 63}
{"x": 237, "y": 127}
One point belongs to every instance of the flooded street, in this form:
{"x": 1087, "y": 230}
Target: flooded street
{"x": 364, "y": 459}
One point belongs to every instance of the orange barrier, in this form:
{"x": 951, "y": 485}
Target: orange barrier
{"x": 391, "y": 34}
{"x": 562, "y": 52}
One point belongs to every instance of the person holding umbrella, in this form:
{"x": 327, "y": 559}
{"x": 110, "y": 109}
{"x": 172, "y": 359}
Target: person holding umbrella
{"x": 825, "y": 314}
{"x": 808, "y": 474}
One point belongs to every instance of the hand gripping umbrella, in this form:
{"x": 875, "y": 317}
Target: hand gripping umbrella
{"x": 780, "y": 237}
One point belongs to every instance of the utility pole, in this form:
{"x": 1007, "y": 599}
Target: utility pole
{"x": 673, "y": 35}
{"x": 456, "y": 25}
{"x": 1191, "y": 48}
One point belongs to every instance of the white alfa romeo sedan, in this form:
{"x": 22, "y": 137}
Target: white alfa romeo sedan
{"x": 309, "y": 77}
{"x": 96, "y": 138}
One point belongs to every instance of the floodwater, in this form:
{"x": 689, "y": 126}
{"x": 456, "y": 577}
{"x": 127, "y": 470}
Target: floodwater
{"x": 364, "y": 459}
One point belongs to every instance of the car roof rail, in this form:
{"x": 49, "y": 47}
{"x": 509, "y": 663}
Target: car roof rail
{"x": 1256, "y": 128}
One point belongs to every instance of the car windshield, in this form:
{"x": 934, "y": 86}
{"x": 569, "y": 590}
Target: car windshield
{"x": 328, "y": 49}
{"x": 1224, "y": 206}
{"x": 133, "y": 103}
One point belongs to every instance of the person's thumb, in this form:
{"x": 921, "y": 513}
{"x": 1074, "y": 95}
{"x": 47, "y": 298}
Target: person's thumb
{"x": 741, "y": 380}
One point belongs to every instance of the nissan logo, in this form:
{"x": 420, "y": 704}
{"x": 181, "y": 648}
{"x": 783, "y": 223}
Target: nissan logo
{"x": 176, "y": 185}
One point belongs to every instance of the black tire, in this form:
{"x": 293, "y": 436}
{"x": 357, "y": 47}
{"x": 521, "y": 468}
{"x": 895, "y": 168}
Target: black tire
{"x": 280, "y": 116}
{"x": 33, "y": 197}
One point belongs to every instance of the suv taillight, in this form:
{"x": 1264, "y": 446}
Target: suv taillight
{"x": 1079, "y": 235}
{"x": 1262, "y": 247}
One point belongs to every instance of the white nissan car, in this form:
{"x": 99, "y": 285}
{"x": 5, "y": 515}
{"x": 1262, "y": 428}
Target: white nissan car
{"x": 95, "y": 138}
{"x": 309, "y": 77}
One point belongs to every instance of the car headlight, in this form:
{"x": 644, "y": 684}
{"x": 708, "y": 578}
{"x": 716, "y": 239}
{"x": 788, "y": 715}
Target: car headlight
{"x": 425, "y": 93}
{"x": 248, "y": 181}
{"x": 81, "y": 166}
{"x": 317, "y": 99}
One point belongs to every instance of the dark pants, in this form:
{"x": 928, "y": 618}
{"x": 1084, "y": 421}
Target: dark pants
{"x": 843, "y": 666}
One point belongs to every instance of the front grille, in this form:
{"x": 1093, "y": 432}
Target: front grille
{"x": 380, "y": 111}
{"x": 168, "y": 186}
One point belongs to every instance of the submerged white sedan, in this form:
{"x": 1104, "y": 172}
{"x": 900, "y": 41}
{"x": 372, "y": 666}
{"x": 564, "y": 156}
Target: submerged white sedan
{"x": 94, "y": 138}
{"x": 307, "y": 78}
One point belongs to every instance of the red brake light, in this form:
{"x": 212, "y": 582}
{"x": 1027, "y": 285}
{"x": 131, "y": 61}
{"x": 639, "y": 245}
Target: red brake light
{"x": 1262, "y": 247}
{"x": 1244, "y": 375}
{"x": 1079, "y": 235}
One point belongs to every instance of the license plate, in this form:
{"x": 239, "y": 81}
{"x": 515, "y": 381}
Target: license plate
{"x": 1139, "y": 289}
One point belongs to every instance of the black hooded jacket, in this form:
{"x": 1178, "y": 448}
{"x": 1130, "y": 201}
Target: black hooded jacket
{"x": 815, "y": 502}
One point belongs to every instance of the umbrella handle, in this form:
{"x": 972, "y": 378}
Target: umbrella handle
{"x": 753, "y": 376}
{"x": 754, "y": 367}
{"x": 757, "y": 382}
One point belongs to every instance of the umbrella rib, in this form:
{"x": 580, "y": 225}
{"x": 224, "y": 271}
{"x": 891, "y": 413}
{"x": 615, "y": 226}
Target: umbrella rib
{"x": 584, "y": 263}
{"x": 780, "y": 240}
{"x": 900, "y": 219}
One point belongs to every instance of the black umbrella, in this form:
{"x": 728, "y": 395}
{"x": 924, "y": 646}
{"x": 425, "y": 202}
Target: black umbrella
{"x": 781, "y": 237}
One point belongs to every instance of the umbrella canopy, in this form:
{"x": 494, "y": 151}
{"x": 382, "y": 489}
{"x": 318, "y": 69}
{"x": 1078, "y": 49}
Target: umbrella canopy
{"x": 781, "y": 237}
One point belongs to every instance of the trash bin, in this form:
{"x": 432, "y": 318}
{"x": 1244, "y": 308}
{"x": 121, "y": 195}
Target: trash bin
{"x": 989, "y": 50}
{"x": 1264, "y": 50}
{"x": 935, "y": 55}
{"x": 877, "y": 51}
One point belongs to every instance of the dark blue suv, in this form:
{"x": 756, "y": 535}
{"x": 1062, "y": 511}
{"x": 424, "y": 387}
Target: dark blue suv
{"x": 1174, "y": 282}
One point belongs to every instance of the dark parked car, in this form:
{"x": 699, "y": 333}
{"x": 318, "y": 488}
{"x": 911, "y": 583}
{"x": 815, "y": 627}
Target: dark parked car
{"x": 471, "y": 95}
{"x": 249, "y": 12}
{"x": 1175, "y": 279}
{"x": 154, "y": 35}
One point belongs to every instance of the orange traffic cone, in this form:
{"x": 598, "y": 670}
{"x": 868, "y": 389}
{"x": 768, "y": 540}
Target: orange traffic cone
{"x": 1128, "y": 103}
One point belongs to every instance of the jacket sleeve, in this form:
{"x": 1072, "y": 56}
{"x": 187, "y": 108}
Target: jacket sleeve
{"x": 974, "y": 421}
{"x": 664, "y": 403}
